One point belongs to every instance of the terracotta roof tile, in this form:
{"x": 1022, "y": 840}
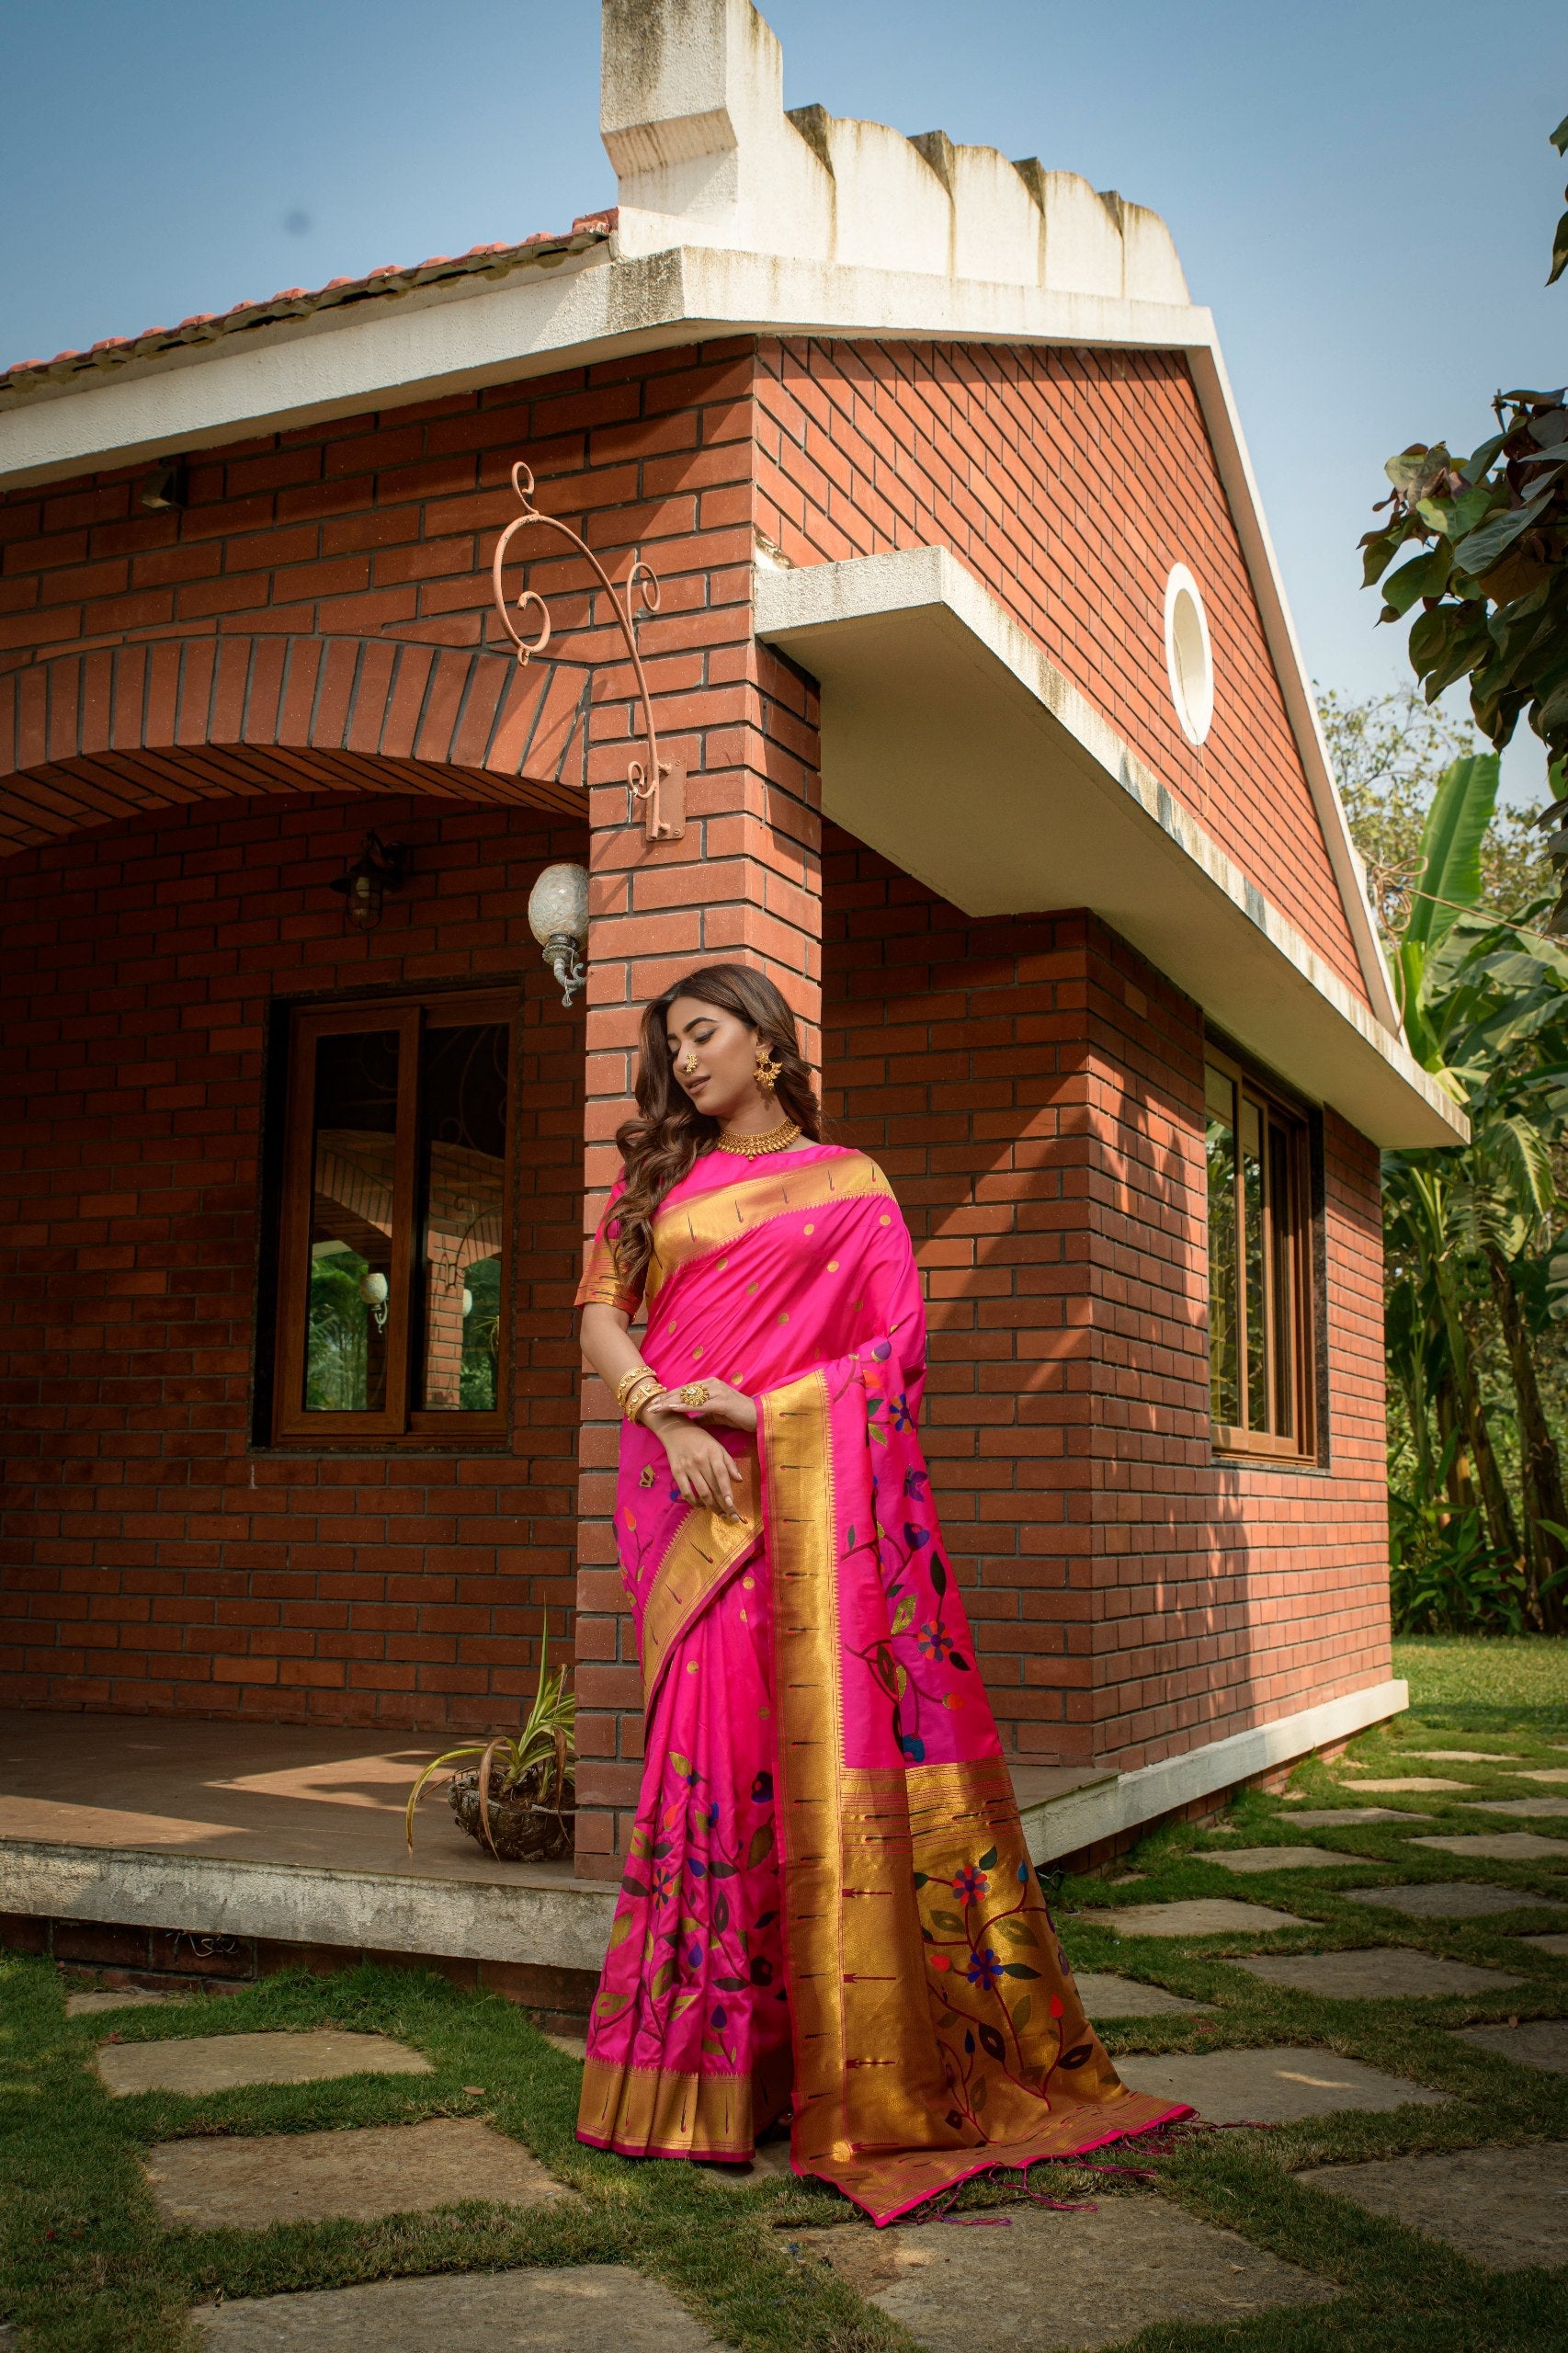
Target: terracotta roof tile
{"x": 296, "y": 302}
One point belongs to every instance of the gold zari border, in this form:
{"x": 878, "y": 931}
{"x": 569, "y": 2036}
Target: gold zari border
{"x": 642, "y": 2112}
{"x": 714, "y": 1220}
{"x": 700, "y": 1555}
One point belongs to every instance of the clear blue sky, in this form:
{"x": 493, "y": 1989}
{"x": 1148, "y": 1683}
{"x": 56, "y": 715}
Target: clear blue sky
{"x": 1361, "y": 189}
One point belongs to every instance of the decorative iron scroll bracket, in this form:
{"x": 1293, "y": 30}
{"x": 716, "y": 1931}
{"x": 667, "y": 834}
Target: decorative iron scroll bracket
{"x": 656, "y": 782}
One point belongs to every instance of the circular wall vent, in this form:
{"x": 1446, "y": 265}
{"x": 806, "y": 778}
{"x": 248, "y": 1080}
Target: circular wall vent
{"x": 1188, "y": 659}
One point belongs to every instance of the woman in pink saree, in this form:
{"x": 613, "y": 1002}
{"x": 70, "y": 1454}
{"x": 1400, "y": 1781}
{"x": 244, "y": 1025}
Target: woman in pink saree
{"x": 828, "y": 1912}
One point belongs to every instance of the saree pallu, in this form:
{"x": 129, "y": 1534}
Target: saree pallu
{"x": 828, "y": 1907}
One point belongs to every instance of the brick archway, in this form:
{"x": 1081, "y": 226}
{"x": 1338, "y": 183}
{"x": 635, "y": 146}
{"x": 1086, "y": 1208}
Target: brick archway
{"x": 87, "y": 739}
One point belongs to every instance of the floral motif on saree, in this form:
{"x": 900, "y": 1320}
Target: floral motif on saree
{"x": 828, "y": 1903}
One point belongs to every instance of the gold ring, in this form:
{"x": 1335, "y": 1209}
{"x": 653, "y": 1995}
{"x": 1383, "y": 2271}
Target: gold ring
{"x": 695, "y": 1393}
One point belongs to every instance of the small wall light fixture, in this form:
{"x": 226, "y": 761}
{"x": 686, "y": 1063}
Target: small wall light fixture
{"x": 558, "y": 917}
{"x": 380, "y": 867}
{"x": 165, "y": 486}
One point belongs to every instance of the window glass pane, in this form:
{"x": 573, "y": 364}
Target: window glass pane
{"x": 1283, "y": 1224}
{"x": 1223, "y": 1349}
{"x": 462, "y": 1171}
{"x": 353, "y": 1153}
{"x": 1256, "y": 1294}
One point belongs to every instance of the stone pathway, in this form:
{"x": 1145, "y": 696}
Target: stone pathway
{"x": 1448, "y": 1900}
{"x": 1194, "y": 1917}
{"x": 127, "y": 1997}
{"x": 358, "y": 2175}
{"x": 1503, "y": 2208}
{"x": 1272, "y": 2086}
{"x": 1500, "y": 1846}
{"x": 1105, "y": 1996}
{"x": 1527, "y": 1809}
{"x": 1282, "y": 1858}
{"x": 587, "y": 2309}
{"x": 1058, "y": 2283}
{"x": 1346, "y": 1817}
{"x": 1538, "y": 2042}
{"x": 1553, "y": 1944}
{"x": 1385, "y": 1973}
{"x": 197, "y": 2064}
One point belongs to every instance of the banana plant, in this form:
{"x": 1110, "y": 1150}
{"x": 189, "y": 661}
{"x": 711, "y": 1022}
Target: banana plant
{"x": 1486, "y": 1006}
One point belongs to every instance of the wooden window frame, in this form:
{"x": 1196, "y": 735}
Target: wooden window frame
{"x": 1279, "y": 1114}
{"x": 400, "y": 1423}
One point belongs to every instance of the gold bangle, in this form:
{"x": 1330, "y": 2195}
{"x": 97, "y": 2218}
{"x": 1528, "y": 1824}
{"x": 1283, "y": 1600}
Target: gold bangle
{"x": 628, "y": 1381}
{"x": 640, "y": 1394}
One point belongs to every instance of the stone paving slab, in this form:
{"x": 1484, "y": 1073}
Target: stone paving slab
{"x": 1282, "y": 1858}
{"x": 360, "y": 2175}
{"x": 1272, "y": 2086}
{"x": 196, "y": 2064}
{"x": 1346, "y": 1817}
{"x": 576, "y": 2046}
{"x": 1537, "y": 2043}
{"x": 770, "y": 2162}
{"x": 1457, "y": 1899}
{"x": 1413, "y": 1781}
{"x": 1059, "y": 2283}
{"x": 1464, "y": 1756}
{"x": 126, "y": 1997}
{"x": 1528, "y": 1809}
{"x": 1383, "y": 1974}
{"x": 1106, "y": 1995}
{"x": 1217, "y": 1916}
{"x": 592, "y": 2306}
{"x": 1543, "y": 1773}
{"x": 1500, "y": 1845}
{"x": 1503, "y": 2208}
{"x": 1553, "y": 1944}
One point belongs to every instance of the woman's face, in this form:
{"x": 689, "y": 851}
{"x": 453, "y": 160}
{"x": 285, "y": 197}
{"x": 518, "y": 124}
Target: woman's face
{"x": 713, "y": 1055}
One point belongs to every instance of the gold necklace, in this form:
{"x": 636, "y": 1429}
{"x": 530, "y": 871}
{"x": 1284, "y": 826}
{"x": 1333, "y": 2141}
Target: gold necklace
{"x": 776, "y": 1139}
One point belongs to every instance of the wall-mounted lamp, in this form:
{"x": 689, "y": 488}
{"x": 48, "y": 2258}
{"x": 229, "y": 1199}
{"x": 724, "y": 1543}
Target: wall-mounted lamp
{"x": 165, "y": 485}
{"x": 558, "y": 917}
{"x": 380, "y": 867}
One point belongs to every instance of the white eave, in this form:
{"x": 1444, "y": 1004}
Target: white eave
{"x": 951, "y": 744}
{"x": 867, "y": 234}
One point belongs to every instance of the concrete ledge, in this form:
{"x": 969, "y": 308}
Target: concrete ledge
{"x": 1087, "y": 1816}
{"x": 560, "y": 1923}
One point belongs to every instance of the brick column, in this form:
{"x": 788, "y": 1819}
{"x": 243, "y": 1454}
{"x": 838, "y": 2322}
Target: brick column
{"x": 744, "y": 884}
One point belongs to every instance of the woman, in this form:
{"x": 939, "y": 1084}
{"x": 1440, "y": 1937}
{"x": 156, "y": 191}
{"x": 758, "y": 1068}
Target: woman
{"x": 827, "y": 1906}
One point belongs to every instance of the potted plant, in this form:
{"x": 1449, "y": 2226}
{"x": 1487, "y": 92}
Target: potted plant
{"x": 519, "y": 1800}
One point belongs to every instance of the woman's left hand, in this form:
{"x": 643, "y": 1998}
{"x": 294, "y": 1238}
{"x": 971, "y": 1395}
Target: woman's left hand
{"x": 722, "y": 1406}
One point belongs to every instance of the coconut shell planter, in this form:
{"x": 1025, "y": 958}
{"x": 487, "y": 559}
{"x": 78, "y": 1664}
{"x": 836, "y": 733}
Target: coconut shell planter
{"x": 523, "y": 1828}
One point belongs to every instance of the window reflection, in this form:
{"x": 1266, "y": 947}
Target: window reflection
{"x": 461, "y": 1176}
{"x": 353, "y": 1148}
{"x": 1224, "y": 1354}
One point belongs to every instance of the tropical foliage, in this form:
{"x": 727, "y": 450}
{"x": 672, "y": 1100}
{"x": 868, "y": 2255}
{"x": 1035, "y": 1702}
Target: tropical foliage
{"x": 1476, "y": 1285}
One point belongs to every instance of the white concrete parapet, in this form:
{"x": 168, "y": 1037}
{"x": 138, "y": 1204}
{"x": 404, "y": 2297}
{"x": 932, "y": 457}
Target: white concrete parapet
{"x": 692, "y": 116}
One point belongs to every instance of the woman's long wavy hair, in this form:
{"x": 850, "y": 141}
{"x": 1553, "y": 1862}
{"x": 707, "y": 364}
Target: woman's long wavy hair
{"x": 669, "y": 1135}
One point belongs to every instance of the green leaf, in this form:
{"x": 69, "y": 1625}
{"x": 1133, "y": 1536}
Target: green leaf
{"x": 1559, "y": 250}
{"x": 1480, "y": 552}
{"x": 682, "y": 1764}
{"x": 903, "y": 1613}
{"x": 761, "y": 1845}
{"x": 1455, "y": 517}
{"x": 1425, "y": 574}
{"x": 1018, "y": 1968}
{"x": 988, "y": 1860}
{"x": 1450, "y": 850}
{"x": 1560, "y": 137}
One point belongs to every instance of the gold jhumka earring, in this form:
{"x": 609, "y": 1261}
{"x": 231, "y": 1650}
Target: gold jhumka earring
{"x": 768, "y": 1068}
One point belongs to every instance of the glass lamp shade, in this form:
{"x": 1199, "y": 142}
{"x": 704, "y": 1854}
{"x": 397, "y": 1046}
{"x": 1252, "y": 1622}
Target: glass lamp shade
{"x": 558, "y": 906}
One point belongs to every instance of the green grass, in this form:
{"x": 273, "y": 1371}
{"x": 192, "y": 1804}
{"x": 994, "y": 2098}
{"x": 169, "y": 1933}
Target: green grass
{"x": 85, "y": 2266}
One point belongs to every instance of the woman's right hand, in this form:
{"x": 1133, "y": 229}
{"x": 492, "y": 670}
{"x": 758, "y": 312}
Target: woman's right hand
{"x": 702, "y": 1469}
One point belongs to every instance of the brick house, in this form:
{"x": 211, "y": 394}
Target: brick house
{"x": 998, "y": 755}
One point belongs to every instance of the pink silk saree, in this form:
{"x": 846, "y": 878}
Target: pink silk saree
{"x": 827, "y": 1906}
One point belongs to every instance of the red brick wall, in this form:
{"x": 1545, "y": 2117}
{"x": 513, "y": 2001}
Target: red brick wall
{"x": 1069, "y": 482}
{"x": 150, "y": 1559}
{"x": 1033, "y": 1088}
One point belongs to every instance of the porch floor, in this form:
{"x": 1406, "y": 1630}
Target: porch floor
{"x": 276, "y": 1793}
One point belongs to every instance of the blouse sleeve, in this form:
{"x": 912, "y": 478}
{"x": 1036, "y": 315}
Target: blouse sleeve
{"x": 603, "y": 1284}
